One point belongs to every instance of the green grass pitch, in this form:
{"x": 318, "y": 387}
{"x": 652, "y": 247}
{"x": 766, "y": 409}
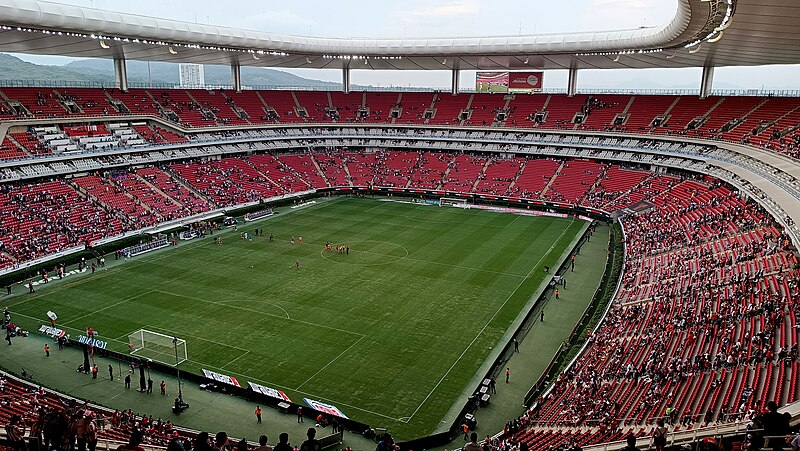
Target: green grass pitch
{"x": 391, "y": 334}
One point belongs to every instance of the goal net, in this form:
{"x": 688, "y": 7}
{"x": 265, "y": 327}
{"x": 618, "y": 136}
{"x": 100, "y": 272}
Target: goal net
{"x": 162, "y": 348}
{"x": 453, "y": 202}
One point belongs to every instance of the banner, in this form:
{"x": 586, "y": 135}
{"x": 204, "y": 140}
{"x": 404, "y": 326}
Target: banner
{"x": 271, "y": 392}
{"x": 320, "y": 406}
{"x": 51, "y": 331}
{"x": 525, "y": 82}
{"x": 222, "y": 378}
{"x": 92, "y": 342}
{"x": 491, "y": 82}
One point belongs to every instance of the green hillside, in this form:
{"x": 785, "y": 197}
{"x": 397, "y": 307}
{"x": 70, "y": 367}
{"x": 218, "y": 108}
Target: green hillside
{"x": 102, "y": 71}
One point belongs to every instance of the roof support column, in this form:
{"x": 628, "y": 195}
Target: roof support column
{"x": 572, "y": 82}
{"x": 454, "y": 80}
{"x": 346, "y": 77}
{"x": 706, "y": 82}
{"x": 121, "y": 73}
{"x": 236, "y": 77}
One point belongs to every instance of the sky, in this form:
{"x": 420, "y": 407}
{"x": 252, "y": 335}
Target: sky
{"x": 447, "y": 18}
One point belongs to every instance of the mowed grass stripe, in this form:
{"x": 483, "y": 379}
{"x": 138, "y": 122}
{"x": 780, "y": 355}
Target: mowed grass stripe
{"x": 374, "y": 331}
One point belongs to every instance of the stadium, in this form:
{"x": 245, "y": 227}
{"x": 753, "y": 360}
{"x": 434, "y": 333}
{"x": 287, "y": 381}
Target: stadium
{"x": 504, "y": 267}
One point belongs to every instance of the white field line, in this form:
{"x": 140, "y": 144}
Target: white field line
{"x": 106, "y": 307}
{"x": 329, "y": 363}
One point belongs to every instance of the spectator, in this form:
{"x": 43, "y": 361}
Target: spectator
{"x": 660, "y": 435}
{"x": 134, "y": 442}
{"x": 473, "y": 443}
{"x": 262, "y": 444}
{"x": 15, "y": 433}
{"x": 630, "y": 443}
{"x": 283, "y": 443}
{"x": 311, "y": 444}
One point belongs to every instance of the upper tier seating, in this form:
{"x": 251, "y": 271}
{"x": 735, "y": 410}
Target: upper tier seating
{"x": 768, "y": 122}
{"x": 219, "y": 104}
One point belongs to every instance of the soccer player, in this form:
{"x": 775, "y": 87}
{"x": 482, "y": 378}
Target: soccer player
{"x": 297, "y": 264}
{"x": 47, "y": 350}
{"x": 292, "y": 240}
{"x": 300, "y": 239}
{"x": 508, "y": 374}
{"x": 556, "y": 293}
{"x": 258, "y": 415}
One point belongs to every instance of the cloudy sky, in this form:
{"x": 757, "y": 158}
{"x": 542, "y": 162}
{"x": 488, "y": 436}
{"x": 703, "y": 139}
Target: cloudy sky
{"x": 443, "y": 18}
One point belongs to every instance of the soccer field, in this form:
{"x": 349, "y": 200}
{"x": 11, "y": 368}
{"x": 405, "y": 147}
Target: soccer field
{"x": 391, "y": 333}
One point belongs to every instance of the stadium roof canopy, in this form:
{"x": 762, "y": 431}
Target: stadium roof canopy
{"x": 702, "y": 33}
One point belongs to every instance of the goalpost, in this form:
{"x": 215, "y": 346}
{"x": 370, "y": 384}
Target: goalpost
{"x": 158, "y": 347}
{"x": 453, "y": 202}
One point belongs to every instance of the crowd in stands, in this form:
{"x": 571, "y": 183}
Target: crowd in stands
{"x": 769, "y": 122}
{"x": 43, "y": 218}
{"x": 108, "y": 203}
{"x": 705, "y": 324}
{"x": 35, "y": 418}
{"x": 704, "y": 327}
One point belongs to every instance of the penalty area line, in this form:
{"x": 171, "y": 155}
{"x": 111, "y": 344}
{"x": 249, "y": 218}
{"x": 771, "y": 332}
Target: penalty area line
{"x": 237, "y": 358}
{"x": 329, "y": 363}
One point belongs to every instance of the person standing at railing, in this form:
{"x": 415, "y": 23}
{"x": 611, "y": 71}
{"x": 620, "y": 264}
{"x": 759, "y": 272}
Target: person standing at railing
{"x": 660, "y": 435}
{"x": 775, "y": 424}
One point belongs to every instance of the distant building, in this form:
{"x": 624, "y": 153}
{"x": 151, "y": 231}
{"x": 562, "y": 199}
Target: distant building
{"x": 192, "y": 75}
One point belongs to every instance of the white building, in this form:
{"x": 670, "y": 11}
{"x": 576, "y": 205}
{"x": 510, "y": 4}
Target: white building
{"x": 192, "y": 75}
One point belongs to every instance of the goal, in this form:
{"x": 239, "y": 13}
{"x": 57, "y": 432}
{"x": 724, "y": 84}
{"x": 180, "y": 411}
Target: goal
{"x": 161, "y": 348}
{"x": 453, "y": 202}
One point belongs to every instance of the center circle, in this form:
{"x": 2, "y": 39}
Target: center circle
{"x": 367, "y": 253}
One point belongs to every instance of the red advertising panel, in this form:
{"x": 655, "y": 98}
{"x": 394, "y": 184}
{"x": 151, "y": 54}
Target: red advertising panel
{"x": 525, "y": 81}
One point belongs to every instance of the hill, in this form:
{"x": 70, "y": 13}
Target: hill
{"x": 214, "y": 75}
{"x": 13, "y": 68}
{"x": 102, "y": 71}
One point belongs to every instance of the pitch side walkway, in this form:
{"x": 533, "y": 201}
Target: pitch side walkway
{"x": 208, "y": 411}
{"x": 537, "y": 348}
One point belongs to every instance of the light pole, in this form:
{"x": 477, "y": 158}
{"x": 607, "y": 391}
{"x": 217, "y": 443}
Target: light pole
{"x": 177, "y": 368}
